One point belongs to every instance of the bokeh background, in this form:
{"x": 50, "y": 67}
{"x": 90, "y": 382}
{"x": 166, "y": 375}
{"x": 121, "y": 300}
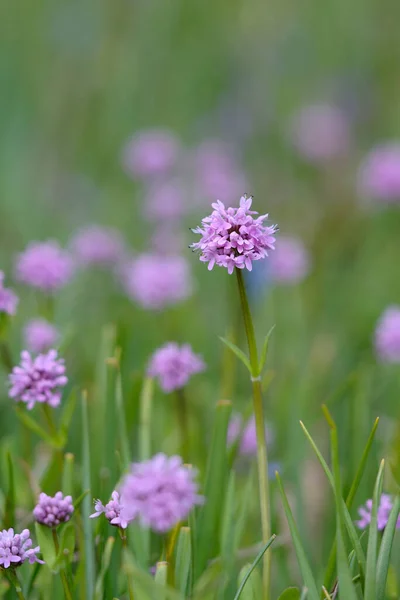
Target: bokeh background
{"x": 229, "y": 81}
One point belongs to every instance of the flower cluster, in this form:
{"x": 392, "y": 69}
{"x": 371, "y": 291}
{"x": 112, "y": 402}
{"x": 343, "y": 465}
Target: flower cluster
{"x": 150, "y": 153}
{"x": 40, "y": 335}
{"x": 45, "y": 266}
{"x": 379, "y": 173}
{"x": 156, "y": 281}
{"x": 53, "y": 510}
{"x": 16, "y": 548}
{"x": 38, "y": 379}
{"x": 174, "y": 365}
{"x": 112, "y": 511}
{"x": 97, "y": 246}
{"x": 387, "y": 335}
{"x": 384, "y": 508}
{"x": 232, "y": 237}
{"x": 160, "y": 492}
{"x": 8, "y": 300}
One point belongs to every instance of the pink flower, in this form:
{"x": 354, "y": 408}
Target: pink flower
{"x": 246, "y": 434}
{"x": 98, "y": 246}
{"x": 387, "y": 335}
{"x": 157, "y": 281}
{"x": 40, "y": 335}
{"x": 320, "y": 133}
{"x": 174, "y": 365}
{"x": 379, "y": 173}
{"x": 38, "y": 379}
{"x": 165, "y": 201}
{"x": 44, "y": 265}
{"x": 112, "y": 511}
{"x": 384, "y": 508}
{"x": 151, "y": 152}
{"x": 8, "y": 300}
{"x": 160, "y": 492}
{"x": 233, "y": 237}
{"x": 290, "y": 262}
{"x": 16, "y": 548}
{"x": 53, "y": 510}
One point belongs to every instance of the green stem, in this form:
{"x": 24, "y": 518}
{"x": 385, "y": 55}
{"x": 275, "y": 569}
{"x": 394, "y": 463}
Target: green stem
{"x": 5, "y": 356}
{"x": 12, "y": 576}
{"x": 183, "y": 423}
{"x": 124, "y": 539}
{"x": 54, "y": 433}
{"x": 63, "y": 576}
{"x": 262, "y": 457}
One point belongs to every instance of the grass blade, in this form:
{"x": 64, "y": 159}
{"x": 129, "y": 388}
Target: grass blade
{"x": 238, "y": 352}
{"x": 123, "y": 436}
{"x": 370, "y": 577}
{"x": 264, "y": 351}
{"x": 304, "y": 565}
{"x": 86, "y": 503}
{"x": 9, "y": 509}
{"x": 253, "y": 566}
{"x": 105, "y": 563}
{"x": 183, "y": 561}
{"x": 146, "y": 398}
{"x": 385, "y": 550}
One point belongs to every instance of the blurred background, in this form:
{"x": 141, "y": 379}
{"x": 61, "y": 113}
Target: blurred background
{"x": 135, "y": 115}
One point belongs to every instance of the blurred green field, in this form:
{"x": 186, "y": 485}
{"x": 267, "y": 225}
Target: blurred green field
{"x": 77, "y": 80}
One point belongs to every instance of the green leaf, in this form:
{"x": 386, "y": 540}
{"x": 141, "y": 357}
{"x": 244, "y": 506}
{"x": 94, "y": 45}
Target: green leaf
{"x": 80, "y": 498}
{"x": 210, "y": 514}
{"x": 86, "y": 504}
{"x": 382, "y": 568}
{"x": 67, "y": 544}
{"x": 146, "y": 398}
{"x": 66, "y": 415}
{"x": 9, "y": 509}
{"x": 161, "y": 578}
{"x": 370, "y": 576}
{"x": 304, "y": 565}
{"x": 228, "y": 529}
{"x": 68, "y": 474}
{"x": 250, "y": 569}
{"x": 45, "y": 540}
{"x": 183, "y": 561}
{"x": 105, "y": 564}
{"x": 143, "y": 584}
{"x": 253, "y": 588}
{"x": 264, "y": 351}
{"x": 32, "y": 425}
{"x": 122, "y": 433}
{"x": 290, "y": 593}
{"x": 238, "y": 352}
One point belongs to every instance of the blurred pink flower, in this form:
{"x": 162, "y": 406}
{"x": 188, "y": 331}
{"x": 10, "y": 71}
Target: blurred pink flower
{"x": 247, "y": 434}
{"x": 156, "y": 281}
{"x": 8, "y": 300}
{"x": 290, "y": 262}
{"x": 384, "y": 508}
{"x": 165, "y": 201}
{"x": 40, "y": 335}
{"x": 44, "y": 265}
{"x": 387, "y": 335}
{"x": 379, "y": 173}
{"x": 151, "y": 152}
{"x": 320, "y": 132}
{"x": 174, "y": 365}
{"x": 96, "y": 245}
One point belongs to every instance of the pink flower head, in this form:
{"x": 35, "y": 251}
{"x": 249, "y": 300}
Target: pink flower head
{"x": 40, "y": 335}
{"x": 384, "y": 508}
{"x": 290, "y": 262}
{"x": 38, "y": 379}
{"x": 151, "y": 152}
{"x": 44, "y": 265}
{"x": 165, "y": 201}
{"x": 320, "y": 132}
{"x": 233, "y": 237}
{"x": 53, "y": 510}
{"x": 174, "y": 365}
{"x": 379, "y": 173}
{"x": 161, "y": 492}
{"x": 8, "y": 300}
{"x": 246, "y": 434}
{"x": 156, "y": 281}
{"x": 16, "y": 548}
{"x": 218, "y": 171}
{"x": 112, "y": 511}
{"x": 387, "y": 335}
{"x": 98, "y": 246}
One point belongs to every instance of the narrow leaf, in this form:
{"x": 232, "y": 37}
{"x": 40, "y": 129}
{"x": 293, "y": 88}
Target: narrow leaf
{"x": 9, "y": 512}
{"x": 45, "y": 540}
{"x": 238, "y": 352}
{"x": 382, "y": 568}
{"x": 264, "y": 352}
{"x": 291, "y": 593}
{"x": 68, "y": 474}
{"x": 86, "y": 505}
{"x": 253, "y": 566}
{"x": 183, "y": 561}
{"x": 123, "y": 436}
{"x": 34, "y": 426}
{"x": 105, "y": 563}
{"x": 370, "y": 576}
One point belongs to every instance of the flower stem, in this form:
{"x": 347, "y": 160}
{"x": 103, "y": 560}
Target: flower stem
{"x": 262, "y": 457}
{"x": 183, "y": 422}
{"x": 12, "y": 576}
{"x": 67, "y": 591}
{"x": 124, "y": 540}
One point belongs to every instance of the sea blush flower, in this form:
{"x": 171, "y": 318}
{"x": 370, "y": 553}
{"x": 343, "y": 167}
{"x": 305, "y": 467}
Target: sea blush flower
{"x": 112, "y": 511}
{"x": 40, "y": 335}
{"x": 44, "y": 265}
{"x": 290, "y": 262}
{"x": 165, "y": 201}
{"x": 156, "y": 281}
{"x": 387, "y": 335}
{"x": 320, "y": 132}
{"x": 53, "y": 510}
{"x": 38, "y": 379}
{"x": 15, "y": 549}
{"x": 8, "y": 300}
{"x": 97, "y": 246}
{"x": 379, "y": 173}
{"x": 384, "y": 508}
{"x": 233, "y": 237}
{"x": 246, "y": 434}
{"x": 174, "y": 365}
{"x": 160, "y": 492}
{"x": 150, "y": 152}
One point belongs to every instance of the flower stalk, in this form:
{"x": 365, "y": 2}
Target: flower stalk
{"x": 262, "y": 456}
{"x": 64, "y": 580}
